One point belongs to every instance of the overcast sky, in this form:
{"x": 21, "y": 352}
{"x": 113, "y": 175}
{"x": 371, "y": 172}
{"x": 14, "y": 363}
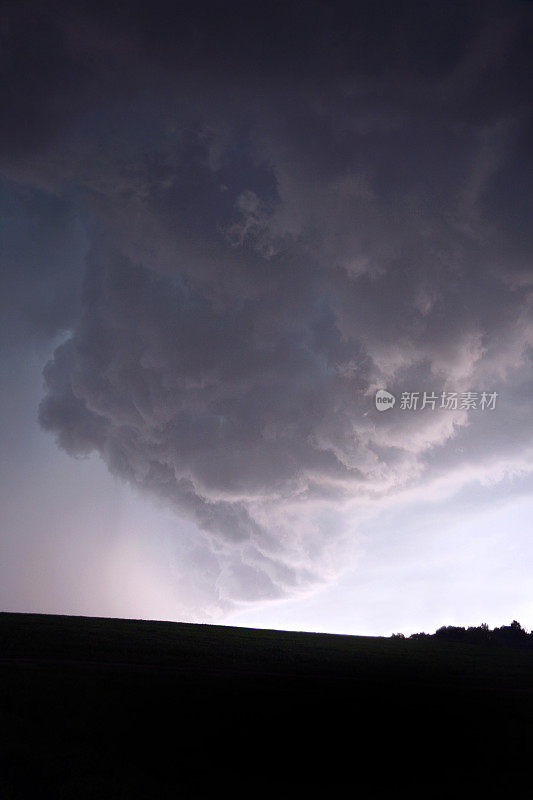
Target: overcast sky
{"x": 224, "y": 227}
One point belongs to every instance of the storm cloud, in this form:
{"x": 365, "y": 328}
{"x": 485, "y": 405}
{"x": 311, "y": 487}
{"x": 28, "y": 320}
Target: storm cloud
{"x": 284, "y": 210}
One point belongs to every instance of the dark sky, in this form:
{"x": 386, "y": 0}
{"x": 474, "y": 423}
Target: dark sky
{"x": 226, "y": 225}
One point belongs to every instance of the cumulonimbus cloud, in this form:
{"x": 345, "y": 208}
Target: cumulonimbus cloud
{"x": 270, "y": 245}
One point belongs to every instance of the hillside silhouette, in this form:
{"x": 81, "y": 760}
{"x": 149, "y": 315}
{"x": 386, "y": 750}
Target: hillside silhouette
{"x": 125, "y": 708}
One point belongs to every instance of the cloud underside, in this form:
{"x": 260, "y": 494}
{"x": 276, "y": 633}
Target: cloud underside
{"x": 269, "y": 242}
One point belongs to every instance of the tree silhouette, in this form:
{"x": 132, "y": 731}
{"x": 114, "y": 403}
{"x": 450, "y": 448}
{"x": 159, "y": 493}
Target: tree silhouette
{"x": 513, "y": 635}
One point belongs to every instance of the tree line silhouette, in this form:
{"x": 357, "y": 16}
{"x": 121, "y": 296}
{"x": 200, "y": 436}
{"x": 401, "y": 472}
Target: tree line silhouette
{"x": 513, "y": 635}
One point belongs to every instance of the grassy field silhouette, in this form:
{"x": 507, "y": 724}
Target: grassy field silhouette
{"x": 123, "y": 708}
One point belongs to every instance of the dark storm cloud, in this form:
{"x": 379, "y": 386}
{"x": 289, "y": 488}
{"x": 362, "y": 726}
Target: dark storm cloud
{"x": 286, "y": 209}
{"x": 43, "y": 248}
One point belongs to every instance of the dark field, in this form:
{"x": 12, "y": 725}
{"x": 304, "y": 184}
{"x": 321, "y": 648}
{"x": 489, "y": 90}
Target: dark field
{"x": 123, "y": 708}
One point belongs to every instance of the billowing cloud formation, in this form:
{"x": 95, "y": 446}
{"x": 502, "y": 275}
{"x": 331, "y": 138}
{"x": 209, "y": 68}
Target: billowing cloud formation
{"x": 286, "y": 211}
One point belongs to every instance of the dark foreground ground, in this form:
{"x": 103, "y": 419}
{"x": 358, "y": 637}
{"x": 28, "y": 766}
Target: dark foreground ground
{"x": 121, "y": 708}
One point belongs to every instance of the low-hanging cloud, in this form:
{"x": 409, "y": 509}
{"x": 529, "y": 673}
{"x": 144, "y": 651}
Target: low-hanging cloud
{"x": 272, "y": 241}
